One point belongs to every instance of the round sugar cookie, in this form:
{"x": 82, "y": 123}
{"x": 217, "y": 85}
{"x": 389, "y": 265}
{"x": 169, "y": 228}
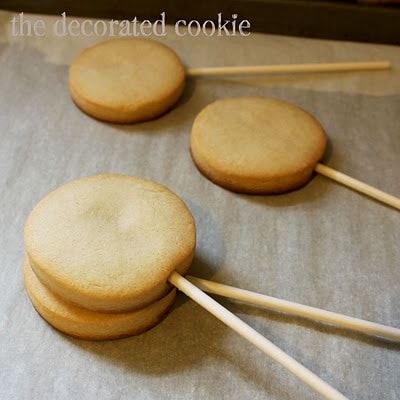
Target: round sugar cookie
{"x": 256, "y": 145}
{"x": 126, "y": 80}
{"x": 87, "y": 324}
{"x": 109, "y": 242}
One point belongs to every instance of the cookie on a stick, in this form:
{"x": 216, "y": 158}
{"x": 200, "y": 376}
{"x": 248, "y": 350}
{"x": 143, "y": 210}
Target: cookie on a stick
{"x": 262, "y": 145}
{"x": 112, "y": 242}
{"x": 131, "y": 80}
{"x": 109, "y": 242}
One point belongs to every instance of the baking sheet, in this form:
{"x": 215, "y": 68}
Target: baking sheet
{"x": 322, "y": 245}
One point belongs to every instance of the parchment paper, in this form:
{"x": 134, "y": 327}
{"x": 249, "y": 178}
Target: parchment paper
{"x": 323, "y": 245}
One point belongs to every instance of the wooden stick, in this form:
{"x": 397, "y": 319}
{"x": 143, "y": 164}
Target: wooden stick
{"x": 275, "y": 304}
{"x": 358, "y": 186}
{"x": 289, "y": 68}
{"x": 255, "y": 338}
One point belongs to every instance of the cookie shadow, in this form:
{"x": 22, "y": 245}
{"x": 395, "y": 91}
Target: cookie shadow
{"x": 174, "y": 119}
{"x": 188, "y": 336}
{"x": 182, "y": 339}
{"x": 210, "y": 246}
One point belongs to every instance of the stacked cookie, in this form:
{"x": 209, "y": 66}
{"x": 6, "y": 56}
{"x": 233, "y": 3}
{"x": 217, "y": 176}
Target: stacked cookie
{"x": 100, "y": 251}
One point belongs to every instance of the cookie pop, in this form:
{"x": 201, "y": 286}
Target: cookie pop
{"x": 262, "y": 145}
{"x": 103, "y": 253}
{"x": 109, "y": 242}
{"x": 132, "y": 80}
